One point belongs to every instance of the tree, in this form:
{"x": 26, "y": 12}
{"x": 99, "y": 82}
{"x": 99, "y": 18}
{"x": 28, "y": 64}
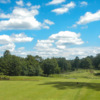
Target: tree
{"x": 76, "y": 63}
{"x": 99, "y": 66}
{"x": 96, "y": 61}
{"x": 86, "y": 63}
{"x": 63, "y": 64}
{"x": 33, "y": 66}
{"x": 7, "y": 53}
{"x": 24, "y": 69}
{"x": 15, "y": 66}
{"x": 38, "y": 58}
{"x": 50, "y": 66}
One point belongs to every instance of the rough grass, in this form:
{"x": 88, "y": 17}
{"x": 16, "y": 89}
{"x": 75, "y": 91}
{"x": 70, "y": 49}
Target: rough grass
{"x": 78, "y": 85}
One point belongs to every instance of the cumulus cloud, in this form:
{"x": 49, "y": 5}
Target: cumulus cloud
{"x": 20, "y": 3}
{"x": 45, "y": 48}
{"x": 83, "y": 3}
{"x": 29, "y": 4}
{"x": 65, "y": 38}
{"x": 63, "y": 44}
{"x": 69, "y": 52}
{"x": 21, "y": 52}
{"x": 20, "y": 38}
{"x": 5, "y": 39}
{"x": 88, "y": 18}
{"x": 44, "y": 44}
{"x": 57, "y": 43}
{"x": 50, "y": 47}
{"x": 54, "y": 2}
{"x": 47, "y": 23}
{"x": 64, "y": 8}
{"x": 5, "y": 1}
{"x": 20, "y": 18}
{"x": 9, "y": 46}
{"x": 21, "y": 48}
{"x": 7, "y": 42}
{"x": 35, "y": 7}
{"x": 23, "y": 19}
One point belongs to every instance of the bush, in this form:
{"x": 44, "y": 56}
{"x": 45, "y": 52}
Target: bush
{"x": 3, "y": 77}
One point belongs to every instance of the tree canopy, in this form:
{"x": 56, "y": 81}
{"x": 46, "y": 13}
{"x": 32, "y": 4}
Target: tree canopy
{"x": 35, "y": 65}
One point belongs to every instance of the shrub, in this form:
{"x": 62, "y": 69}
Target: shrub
{"x": 3, "y": 77}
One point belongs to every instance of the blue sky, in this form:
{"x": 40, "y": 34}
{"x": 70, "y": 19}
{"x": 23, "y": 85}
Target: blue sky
{"x": 50, "y": 28}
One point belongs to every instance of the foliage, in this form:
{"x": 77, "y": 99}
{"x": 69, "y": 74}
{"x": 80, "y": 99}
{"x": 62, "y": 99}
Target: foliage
{"x": 12, "y": 65}
{"x": 50, "y": 66}
{"x": 63, "y": 64}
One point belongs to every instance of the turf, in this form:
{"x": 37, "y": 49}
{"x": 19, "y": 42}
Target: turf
{"x": 72, "y": 86}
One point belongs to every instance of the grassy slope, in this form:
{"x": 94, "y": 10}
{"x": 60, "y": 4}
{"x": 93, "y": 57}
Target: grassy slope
{"x": 57, "y": 87}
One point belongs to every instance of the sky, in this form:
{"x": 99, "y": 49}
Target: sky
{"x": 50, "y": 28}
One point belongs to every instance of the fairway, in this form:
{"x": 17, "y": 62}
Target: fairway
{"x": 50, "y": 88}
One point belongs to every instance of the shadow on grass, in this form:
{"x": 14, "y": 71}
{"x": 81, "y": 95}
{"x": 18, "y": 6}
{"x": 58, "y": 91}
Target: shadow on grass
{"x": 73, "y": 85}
{"x": 97, "y": 74}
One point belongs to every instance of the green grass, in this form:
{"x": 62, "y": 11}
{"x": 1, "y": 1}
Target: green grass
{"x": 56, "y": 87}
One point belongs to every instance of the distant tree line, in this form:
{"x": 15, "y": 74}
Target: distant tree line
{"x": 12, "y": 65}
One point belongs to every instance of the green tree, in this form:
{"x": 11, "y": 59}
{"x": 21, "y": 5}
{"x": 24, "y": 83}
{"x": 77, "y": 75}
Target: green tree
{"x": 64, "y": 64}
{"x": 33, "y": 66}
{"x": 15, "y": 66}
{"x": 50, "y": 66}
{"x": 76, "y": 63}
{"x": 7, "y": 53}
{"x": 86, "y": 63}
{"x": 96, "y": 61}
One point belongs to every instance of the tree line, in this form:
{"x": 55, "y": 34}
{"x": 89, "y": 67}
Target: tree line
{"x": 12, "y": 65}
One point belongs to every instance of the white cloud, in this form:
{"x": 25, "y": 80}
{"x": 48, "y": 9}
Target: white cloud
{"x": 54, "y": 2}
{"x": 89, "y": 17}
{"x": 20, "y": 18}
{"x": 21, "y": 38}
{"x": 2, "y": 15}
{"x": 23, "y": 19}
{"x": 66, "y": 38}
{"x": 20, "y": 3}
{"x": 82, "y": 52}
{"x": 48, "y": 22}
{"x": 99, "y": 36}
{"x": 57, "y": 43}
{"x": 64, "y": 8}
{"x": 8, "y": 42}
{"x": 6, "y": 39}
{"x": 69, "y": 53}
{"x": 29, "y": 4}
{"x": 21, "y": 48}
{"x": 35, "y": 7}
{"x": 45, "y": 26}
{"x": 84, "y": 27}
{"x": 5, "y": 1}
{"x": 44, "y": 44}
{"x": 63, "y": 44}
{"x": 50, "y": 48}
{"x": 83, "y": 3}
{"x": 74, "y": 26}
{"x": 9, "y": 46}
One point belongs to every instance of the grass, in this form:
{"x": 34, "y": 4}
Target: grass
{"x": 78, "y": 85}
